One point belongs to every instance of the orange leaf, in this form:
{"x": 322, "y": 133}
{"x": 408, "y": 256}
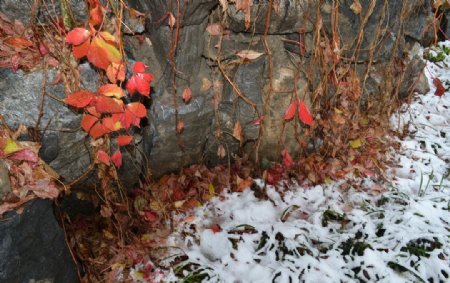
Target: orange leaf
{"x": 290, "y": 112}
{"x": 187, "y": 95}
{"x": 103, "y": 157}
{"x": 304, "y": 114}
{"x": 102, "y": 53}
{"x": 77, "y": 36}
{"x": 98, "y": 130}
{"x": 116, "y": 72}
{"x": 80, "y": 51}
{"x": 105, "y": 104}
{"x": 124, "y": 140}
{"x": 87, "y": 122}
{"x": 138, "y": 109}
{"x": 287, "y": 159}
{"x": 111, "y": 90}
{"x": 18, "y": 42}
{"x": 440, "y": 89}
{"x": 116, "y": 158}
{"x": 80, "y": 98}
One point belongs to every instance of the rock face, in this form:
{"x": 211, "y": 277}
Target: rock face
{"x": 228, "y": 89}
{"x": 33, "y": 248}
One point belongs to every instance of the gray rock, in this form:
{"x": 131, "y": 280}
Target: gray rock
{"x": 21, "y": 10}
{"x": 33, "y": 248}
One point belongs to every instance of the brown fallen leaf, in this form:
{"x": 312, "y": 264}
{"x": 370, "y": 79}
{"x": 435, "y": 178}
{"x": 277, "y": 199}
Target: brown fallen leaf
{"x": 249, "y": 54}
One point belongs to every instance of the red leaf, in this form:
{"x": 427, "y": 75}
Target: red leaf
{"x": 137, "y": 109}
{"x": 290, "y": 112}
{"x": 116, "y": 158}
{"x": 98, "y": 130}
{"x": 440, "y": 89}
{"x": 103, "y": 157}
{"x": 18, "y": 42}
{"x": 287, "y": 158}
{"x": 304, "y": 114}
{"x": 77, "y": 36}
{"x": 80, "y": 51}
{"x": 124, "y": 140}
{"x": 187, "y": 95}
{"x": 105, "y": 104}
{"x": 140, "y": 82}
{"x": 80, "y": 98}
{"x": 215, "y": 228}
{"x": 87, "y": 122}
{"x": 139, "y": 67}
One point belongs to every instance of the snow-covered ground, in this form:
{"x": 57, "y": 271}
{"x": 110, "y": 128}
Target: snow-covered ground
{"x": 398, "y": 231}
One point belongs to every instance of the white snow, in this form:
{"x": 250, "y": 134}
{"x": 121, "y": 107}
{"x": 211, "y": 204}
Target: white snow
{"x": 398, "y": 234}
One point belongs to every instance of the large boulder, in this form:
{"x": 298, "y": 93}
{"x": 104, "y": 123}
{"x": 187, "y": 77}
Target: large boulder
{"x": 33, "y": 247}
{"x": 372, "y": 37}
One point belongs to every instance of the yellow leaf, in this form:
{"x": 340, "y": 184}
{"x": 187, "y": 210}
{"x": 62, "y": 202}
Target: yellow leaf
{"x": 179, "y": 203}
{"x": 327, "y": 180}
{"x": 356, "y": 143}
{"x": 338, "y": 111}
{"x": 11, "y": 146}
{"x": 211, "y": 189}
{"x": 112, "y": 52}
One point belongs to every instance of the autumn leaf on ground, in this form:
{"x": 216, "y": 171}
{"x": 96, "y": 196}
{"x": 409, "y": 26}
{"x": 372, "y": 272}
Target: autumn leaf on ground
{"x": 287, "y": 158}
{"x": 304, "y": 114}
{"x": 18, "y": 42}
{"x": 80, "y": 98}
{"x": 440, "y": 89}
{"x": 290, "y": 111}
{"x": 77, "y": 36}
{"x": 25, "y": 155}
{"x": 116, "y": 158}
{"x": 249, "y": 54}
{"x": 356, "y": 7}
